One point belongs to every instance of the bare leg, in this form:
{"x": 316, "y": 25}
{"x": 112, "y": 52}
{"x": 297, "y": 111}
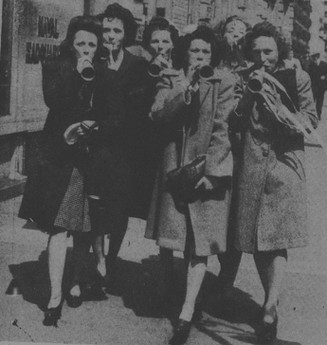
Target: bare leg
{"x": 98, "y": 249}
{"x": 195, "y": 275}
{"x": 57, "y": 249}
{"x": 271, "y": 268}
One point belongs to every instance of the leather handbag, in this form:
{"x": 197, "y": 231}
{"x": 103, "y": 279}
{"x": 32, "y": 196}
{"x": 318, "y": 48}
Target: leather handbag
{"x": 183, "y": 180}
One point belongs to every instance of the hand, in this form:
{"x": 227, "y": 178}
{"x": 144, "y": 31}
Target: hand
{"x": 207, "y": 183}
{"x": 162, "y": 61}
{"x": 112, "y": 63}
{"x": 192, "y": 69}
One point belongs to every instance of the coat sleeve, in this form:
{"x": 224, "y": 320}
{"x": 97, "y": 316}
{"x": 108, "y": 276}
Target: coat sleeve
{"x": 169, "y": 100}
{"x": 306, "y": 103}
{"x": 219, "y": 160}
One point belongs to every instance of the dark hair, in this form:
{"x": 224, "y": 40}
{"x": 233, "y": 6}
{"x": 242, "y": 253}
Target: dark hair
{"x": 265, "y": 29}
{"x": 130, "y": 27}
{"x": 159, "y": 23}
{"x": 203, "y": 33}
{"x": 86, "y": 23}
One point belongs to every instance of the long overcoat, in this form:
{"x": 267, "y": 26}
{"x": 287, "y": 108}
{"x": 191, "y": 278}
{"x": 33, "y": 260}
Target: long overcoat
{"x": 119, "y": 146}
{"x": 68, "y": 98}
{"x": 271, "y": 205}
{"x": 205, "y": 124}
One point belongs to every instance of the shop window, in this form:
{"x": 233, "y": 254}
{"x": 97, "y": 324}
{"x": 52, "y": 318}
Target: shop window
{"x": 5, "y": 57}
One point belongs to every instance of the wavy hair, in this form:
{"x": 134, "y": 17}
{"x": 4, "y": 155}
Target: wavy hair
{"x": 162, "y": 24}
{"x": 86, "y": 23}
{"x": 266, "y": 29}
{"x": 130, "y": 26}
{"x": 203, "y": 33}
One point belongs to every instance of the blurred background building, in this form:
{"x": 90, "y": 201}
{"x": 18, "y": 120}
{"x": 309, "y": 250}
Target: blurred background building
{"x": 32, "y": 29}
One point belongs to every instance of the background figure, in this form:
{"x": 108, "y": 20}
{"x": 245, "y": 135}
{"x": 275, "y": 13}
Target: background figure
{"x": 292, "y": 62}
{"x": 318, "y": 74}
{"x": 271, "y": 214}
{"x": 196, "y": 223}
{"x": 231, "y": 32}
{"x": 120, "y": 107}
{"x": 55, "y": 196}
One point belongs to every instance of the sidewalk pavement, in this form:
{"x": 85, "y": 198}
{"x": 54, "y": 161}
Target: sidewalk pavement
{"x": 129, "y": 318}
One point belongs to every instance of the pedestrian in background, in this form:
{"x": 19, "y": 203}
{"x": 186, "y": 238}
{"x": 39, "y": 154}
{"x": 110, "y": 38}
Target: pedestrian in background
{"x": 318, "y": 74}
{"x": 271, "y": 213}
{"x": 55, "y": 196}
{"x": 193, "y": 221}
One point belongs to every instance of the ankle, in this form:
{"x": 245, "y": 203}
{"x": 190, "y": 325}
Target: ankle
{"x": 75, "y": 290}
{"x": 54, "y": 301}
{"x": 187, "y": 313}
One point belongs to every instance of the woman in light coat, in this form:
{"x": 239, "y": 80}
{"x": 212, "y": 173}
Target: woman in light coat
{"x": 194, "y": 113}
{"x": 271, "y": 205}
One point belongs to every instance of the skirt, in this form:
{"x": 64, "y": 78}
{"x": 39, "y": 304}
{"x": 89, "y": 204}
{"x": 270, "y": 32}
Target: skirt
{"x": 73, "y": 214}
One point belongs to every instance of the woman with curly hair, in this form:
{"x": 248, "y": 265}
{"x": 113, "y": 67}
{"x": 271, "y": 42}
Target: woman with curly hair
{"x": 271, "y": 215}
{"x": 120, "y": 105}
{"x": 195, "y": 113}
{"x": 56, "y": 195}
{"x": 230, "y": 33}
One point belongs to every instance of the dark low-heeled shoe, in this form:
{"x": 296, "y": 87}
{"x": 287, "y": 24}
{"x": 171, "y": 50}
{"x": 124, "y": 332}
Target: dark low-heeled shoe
{"x": 267, "y": 333}
{"x": 181, "y": 332}
{"x": 73, "y": 301}
{"x": 52, "y": 315}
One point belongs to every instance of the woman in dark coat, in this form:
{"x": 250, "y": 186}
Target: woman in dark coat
{"x": 271, "y": 212}
{"x": 195, "y": 118}
{"x": 55, "y": 197}
{"x": 120, "y": 109}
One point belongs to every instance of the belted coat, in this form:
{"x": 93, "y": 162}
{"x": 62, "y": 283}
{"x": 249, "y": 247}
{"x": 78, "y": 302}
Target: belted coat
{"x": 271, "y": 200}
{"x": 204, "y": 125}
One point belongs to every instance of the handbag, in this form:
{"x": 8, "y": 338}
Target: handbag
{"x": 183, "y": 180}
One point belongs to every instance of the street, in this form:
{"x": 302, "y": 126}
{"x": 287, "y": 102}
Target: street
{"x": 129, "y": 317}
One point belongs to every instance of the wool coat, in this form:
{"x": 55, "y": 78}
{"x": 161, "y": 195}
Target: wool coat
{"x": 122, "y": 171}
{"x": 271, "y": 199}
{"x": 68, "y": 97}
{"x": 204, "y": 123}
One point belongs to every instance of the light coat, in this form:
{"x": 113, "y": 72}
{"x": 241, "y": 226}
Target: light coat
{"x": 271, "y": 200}
{"x": 205, "y": 123}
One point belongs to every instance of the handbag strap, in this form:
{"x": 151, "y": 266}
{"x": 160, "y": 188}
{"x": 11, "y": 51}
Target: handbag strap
{"x": 184, "y": 132}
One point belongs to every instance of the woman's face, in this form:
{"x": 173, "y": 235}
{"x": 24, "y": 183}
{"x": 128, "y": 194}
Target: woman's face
{"x": 85, "y": 43}
{"x": 161, "y": 43}
{"x": 234, "y": 31}
{"x": 199, "y": 53}
{"x": 113, "y": 33}
{"x": 265, "y": 53}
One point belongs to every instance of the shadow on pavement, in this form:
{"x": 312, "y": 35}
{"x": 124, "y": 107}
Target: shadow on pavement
{"x": 136, "y": 284}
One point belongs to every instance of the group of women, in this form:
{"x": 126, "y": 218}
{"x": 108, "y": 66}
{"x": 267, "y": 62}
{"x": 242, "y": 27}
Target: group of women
{"x": 122, "y": 129}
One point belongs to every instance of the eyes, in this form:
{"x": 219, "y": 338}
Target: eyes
{"x": 83, "y": 43}
{"x": 264, "y": 51}
{"x": 197, "y": 50}
{"x": 114, "y": 30}
{"x": 157, "y": 41}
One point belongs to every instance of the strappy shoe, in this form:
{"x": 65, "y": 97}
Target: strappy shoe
{"x": 267, "y": 333}
{"x": 181, "y": 332}
{"x": 52, "y": 315}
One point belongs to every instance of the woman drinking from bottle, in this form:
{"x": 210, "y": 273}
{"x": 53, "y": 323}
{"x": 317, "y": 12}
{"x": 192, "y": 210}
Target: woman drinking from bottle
{"x": 191, "y": 216}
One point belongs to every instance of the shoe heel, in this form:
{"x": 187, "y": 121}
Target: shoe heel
{"x": 52, "y": 315}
